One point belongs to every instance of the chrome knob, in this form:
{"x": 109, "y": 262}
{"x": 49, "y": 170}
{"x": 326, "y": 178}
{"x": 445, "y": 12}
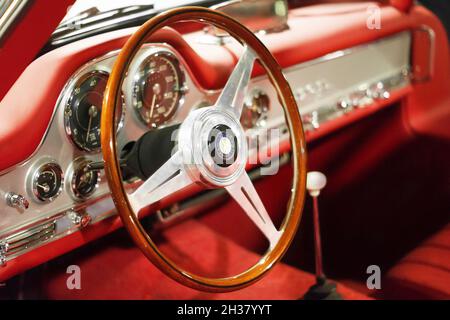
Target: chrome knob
{"x": 345, "y": 104}
{"x": 80, "y": 220}
{"x": 3, "y": 250}
{"x": 378, "y": 91}
{"x": 17, "y": 201}
{"x": 315, "y": 182}
{"x": 312, "y": 119}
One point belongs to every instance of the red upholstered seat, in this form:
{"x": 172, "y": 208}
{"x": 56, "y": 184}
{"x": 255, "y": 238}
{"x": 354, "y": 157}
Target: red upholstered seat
{"x": 425, "y": 272}
{"x": 114, "y": 270}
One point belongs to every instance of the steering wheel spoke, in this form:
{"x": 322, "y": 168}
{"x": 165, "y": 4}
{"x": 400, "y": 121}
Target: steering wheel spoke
{"x": 233, "y": 94}
{"x": 245, "y": 194}
{"x": 169, "y": 178}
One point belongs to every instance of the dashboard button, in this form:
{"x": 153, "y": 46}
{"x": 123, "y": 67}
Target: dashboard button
{"x": 17, "y": 201}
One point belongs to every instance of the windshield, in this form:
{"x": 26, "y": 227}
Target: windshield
{"x": 87, "y": 18}
{"x": 81, "y": 6}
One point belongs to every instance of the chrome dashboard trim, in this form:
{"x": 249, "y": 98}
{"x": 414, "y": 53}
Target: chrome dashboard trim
{"x": 54, "y": 143}
{"x": 344, "y": 52}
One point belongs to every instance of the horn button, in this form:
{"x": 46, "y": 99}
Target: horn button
{"x": 223, "y": 145}
{"x": 214, "y": 146}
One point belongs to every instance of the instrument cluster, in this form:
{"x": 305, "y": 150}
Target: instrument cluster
{"x": 62, "y": 186}
{"x": 153, "y": 96}
{"x": 66, "y": 173}
{"x": 157, "y": 90}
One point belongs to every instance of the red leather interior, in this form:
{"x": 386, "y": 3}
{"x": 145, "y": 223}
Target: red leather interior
{"x": 403, "y": 5}
{"x": 15, "y": 56}
{"x": 192, "y": 244}
{"x": 387, "y": 192}
{"x": 425, "y": 272}
{"x": 423, "y": 109}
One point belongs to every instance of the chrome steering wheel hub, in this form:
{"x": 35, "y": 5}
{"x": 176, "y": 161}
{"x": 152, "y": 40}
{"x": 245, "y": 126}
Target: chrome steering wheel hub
{"x": 213, "y": 146}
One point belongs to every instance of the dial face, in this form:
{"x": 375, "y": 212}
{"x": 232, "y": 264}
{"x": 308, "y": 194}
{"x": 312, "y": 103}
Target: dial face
{"x": 84, "y": 108}
{"x": 158, "y": 89}
{"x": 255, "y": 109}
{"x": 47, "y": 182}
{"x": 84, "y": 182}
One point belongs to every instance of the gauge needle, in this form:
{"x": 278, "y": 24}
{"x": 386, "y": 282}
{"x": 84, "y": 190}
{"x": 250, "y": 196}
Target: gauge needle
{"x": 82, "y": 181}
{"x": 45, "y": 188}
{"x": 92, "y": 113}
{"x": 152, "y": 107}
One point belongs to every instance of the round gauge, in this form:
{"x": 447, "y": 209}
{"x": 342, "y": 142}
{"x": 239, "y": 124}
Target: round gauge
{"x": 47, "y": 182}
{"x": 83, "y": 110}
{"x": 256, "y": 107}
{"x": 84, "y": 182}
{"x": 158, "y": 88}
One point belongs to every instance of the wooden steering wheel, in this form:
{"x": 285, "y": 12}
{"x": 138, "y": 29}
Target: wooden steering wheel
{"x": 193, "y": 163}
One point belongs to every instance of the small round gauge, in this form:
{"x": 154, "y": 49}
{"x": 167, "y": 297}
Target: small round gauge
{"x": 83, "y": 110}
{"x": 84, "y": 182}
{"x": 47, "y": 182}
{"x": 256, "y": 107}
{"x": 158, "y": 88}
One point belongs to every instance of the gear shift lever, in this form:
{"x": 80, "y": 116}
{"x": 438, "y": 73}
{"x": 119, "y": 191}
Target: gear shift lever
{"x": 323, "y": 289}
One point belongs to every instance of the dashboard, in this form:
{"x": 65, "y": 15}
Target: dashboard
{"x": 55, "y": 192}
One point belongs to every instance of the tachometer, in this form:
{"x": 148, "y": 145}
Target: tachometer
{"x": 158, "y": 88}
{"x": 83, "y": 110}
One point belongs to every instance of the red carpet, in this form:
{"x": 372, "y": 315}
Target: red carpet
{"x": 114, "y": 270}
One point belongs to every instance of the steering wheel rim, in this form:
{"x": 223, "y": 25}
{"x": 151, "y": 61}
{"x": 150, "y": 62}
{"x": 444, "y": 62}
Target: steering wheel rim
{"x": 112, "y": 166}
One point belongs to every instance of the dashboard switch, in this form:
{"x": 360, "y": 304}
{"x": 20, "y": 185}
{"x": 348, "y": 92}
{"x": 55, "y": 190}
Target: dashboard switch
{"x": 378, "y": 91}
{"x": 3, "y": 250}
{"x": 80, "y": 220}
{"x": 17, "y": 201}
{"x": 312, "y": 120}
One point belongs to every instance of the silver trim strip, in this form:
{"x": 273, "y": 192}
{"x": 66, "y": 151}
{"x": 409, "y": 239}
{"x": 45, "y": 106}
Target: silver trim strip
{"x": 341, "y": 53}
{"x": 9, "y": 11}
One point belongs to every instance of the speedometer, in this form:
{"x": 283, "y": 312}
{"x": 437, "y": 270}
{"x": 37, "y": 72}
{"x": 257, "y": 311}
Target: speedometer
{"x": 83, "y": 110}
{"x": 158, "y": 88}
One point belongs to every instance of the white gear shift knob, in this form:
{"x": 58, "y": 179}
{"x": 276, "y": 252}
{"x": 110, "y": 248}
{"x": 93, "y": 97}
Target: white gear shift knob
{"x": 315, "y": 182}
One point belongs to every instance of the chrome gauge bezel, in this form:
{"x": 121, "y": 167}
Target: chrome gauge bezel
{"x": 68, "y": 108}
{"x": 68, "y": 101}
{"x": 139, "y": 62}
{"x": 34, "y": 174}
{"x": 70, "y": 181}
